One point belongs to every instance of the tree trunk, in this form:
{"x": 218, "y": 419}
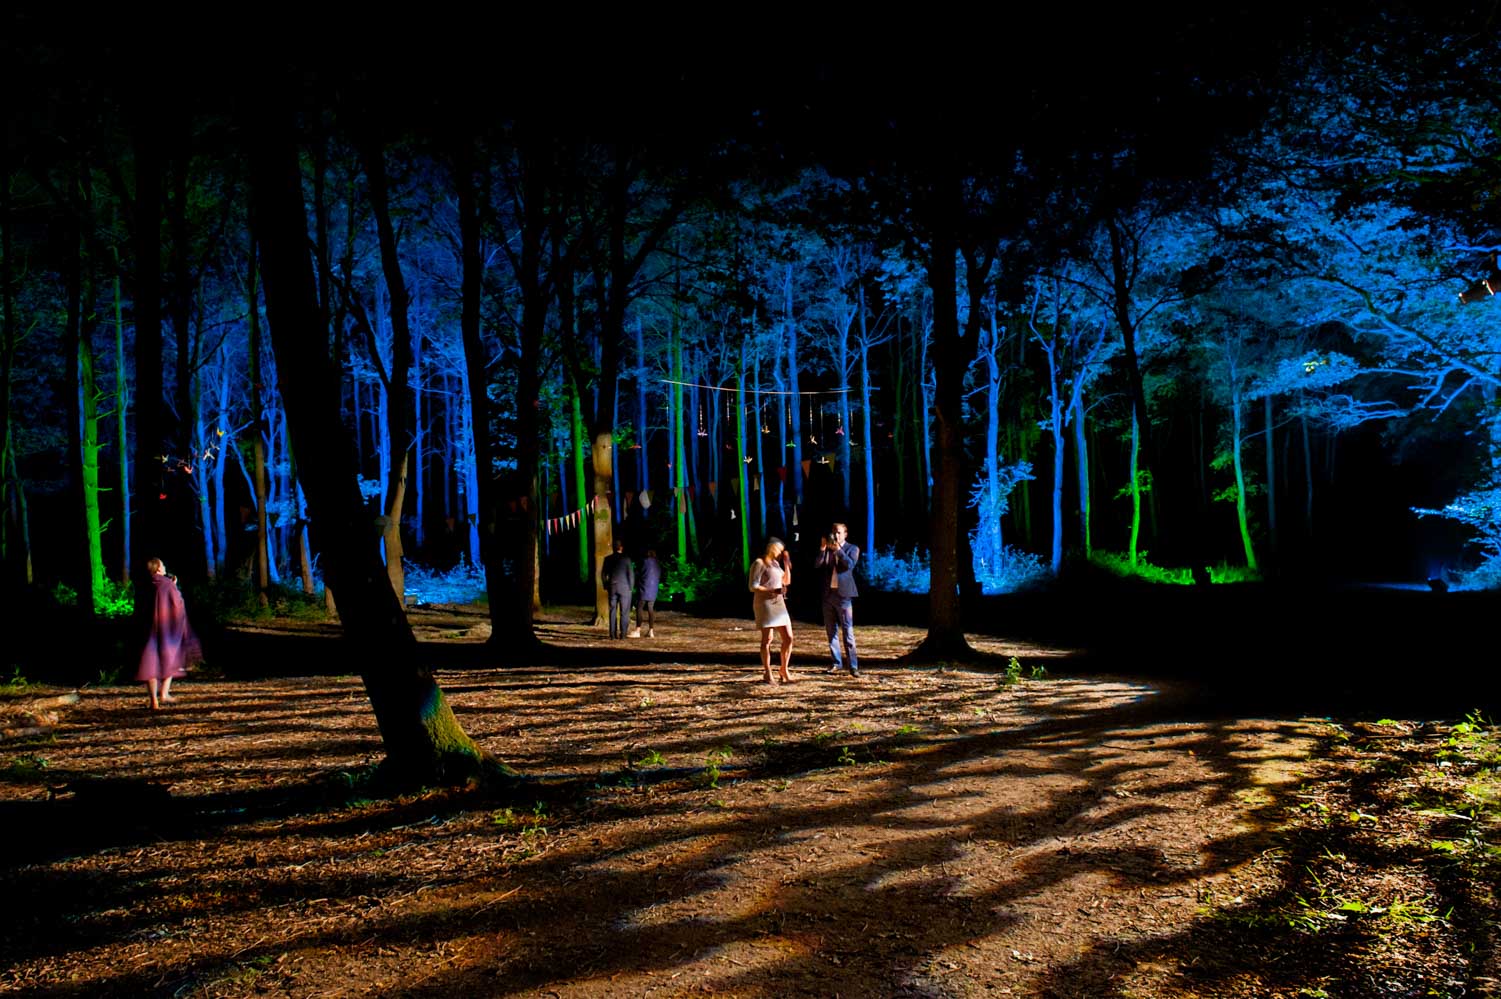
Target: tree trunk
{"x": 945, "y": 638}
{"x": 1081, "y": 465}
{"x": 147, "y": 534}
{"x": 760, "y": 431}
{"x": 423, "y": 740}
{"x": 580, "y": 492}
{"x": 643, "y": 440}
{"x": 400, "y": 421}
{"x": 122, "y": 408}
{"x": 1236, "y": 441}
{"x": 742, "y": 484}
{"x": 679, "y": 460}
{"x": 899, "y": 390}
{"x": 258, "y": 433}
{"x": 1271, "y": 476}
{"x": 793, "y": 398}
{"x": 76, "y": 570}
{"x": 89, "y": 470}
{"x": 1055, "y": 424}
{"x": 867, "y": 437}
{"x": 1135, "y": 489}
{"x": 9, "y": 526}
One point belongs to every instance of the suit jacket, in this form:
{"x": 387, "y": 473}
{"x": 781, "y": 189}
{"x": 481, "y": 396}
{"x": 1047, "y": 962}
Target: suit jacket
{"x": 618, "y": 574}
{"x": 840, "y": 565}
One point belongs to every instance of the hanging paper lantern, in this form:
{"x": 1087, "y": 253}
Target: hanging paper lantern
{"x": 646, "y": 499}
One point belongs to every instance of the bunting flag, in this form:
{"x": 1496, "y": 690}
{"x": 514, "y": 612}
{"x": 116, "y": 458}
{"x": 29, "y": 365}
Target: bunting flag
{"x": 557, "y": 525}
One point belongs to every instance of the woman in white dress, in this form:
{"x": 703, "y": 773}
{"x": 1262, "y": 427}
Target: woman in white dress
{"x": 770, "y": 576}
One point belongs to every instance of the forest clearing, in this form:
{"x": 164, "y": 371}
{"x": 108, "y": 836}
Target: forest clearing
{"x": 680, "y": 828}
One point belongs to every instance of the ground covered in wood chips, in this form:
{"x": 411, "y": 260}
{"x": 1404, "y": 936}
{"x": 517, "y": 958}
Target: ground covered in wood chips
{"x": 684, "y": 829}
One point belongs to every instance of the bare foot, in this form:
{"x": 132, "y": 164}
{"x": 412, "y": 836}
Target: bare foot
{"x": 168, "y": 700}
{"x": 786, "y": 678}
{"x": 155, "y": 706}
{"x": 766, "y": 678}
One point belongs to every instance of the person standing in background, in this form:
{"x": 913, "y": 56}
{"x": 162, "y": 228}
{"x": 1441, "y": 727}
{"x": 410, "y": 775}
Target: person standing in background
{"x": 836, "y": 583}
{"x": 171, "y": 646}
{"x": 618, "y": 576}
{"x": 646, "y": 595}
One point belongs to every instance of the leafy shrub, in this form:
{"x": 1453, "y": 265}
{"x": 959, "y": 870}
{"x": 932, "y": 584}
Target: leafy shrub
{"x": 1117, "y": 563}
{"x": 694, "y": 581}
{"x": 463, "y": 584}
{"x": 1481, "y": 512}
{"x": 1120, "y": 565}
{"x": 1016, "y": 570}
{"x": 894, "y": 572}
{"x": 888, "y": 570}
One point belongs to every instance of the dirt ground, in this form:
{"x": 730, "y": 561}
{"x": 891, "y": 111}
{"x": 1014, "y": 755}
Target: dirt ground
{"x": 684, "y": 829}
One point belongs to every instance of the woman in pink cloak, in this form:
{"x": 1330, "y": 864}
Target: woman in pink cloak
{"x": 171, "y": 643}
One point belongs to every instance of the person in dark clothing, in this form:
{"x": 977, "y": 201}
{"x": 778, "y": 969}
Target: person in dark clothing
{"x": 618, "y": 576}
{"x": 836, "y": 584}
{"x": 646, "y": 596}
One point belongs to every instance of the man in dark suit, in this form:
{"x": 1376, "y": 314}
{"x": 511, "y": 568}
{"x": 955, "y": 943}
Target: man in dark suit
{"x": 618, "y": 576}
{"x": 836, "y": 583}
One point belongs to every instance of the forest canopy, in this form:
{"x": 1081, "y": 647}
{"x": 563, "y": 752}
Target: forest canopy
{"x": 1203, "y": 298}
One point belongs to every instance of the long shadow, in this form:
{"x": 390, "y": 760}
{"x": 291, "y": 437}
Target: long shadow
{"x": 623, "y": 944}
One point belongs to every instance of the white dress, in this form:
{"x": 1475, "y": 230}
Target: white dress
{"x": 771, "y": 608}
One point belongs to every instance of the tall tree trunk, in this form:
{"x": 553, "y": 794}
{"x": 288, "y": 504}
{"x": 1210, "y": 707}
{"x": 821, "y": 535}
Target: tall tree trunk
{"x": 742, "y": 484}
{"x": 1236, "y": 441}
{"x": 783, "y": 423}
{"x": 1055, "y": 426}
{"x": 1081, "y": 465}
{"x": 220, "y": 442}
{"x": 480, "y": 506}
{"x": 679, "y": 459}
{"x": 843, "y": 431}
{"x": 580, "y": 490}
{"x": 148, "y": 533}
{"x": 643, "y": 439}
{"x": 1271, "y": 475}
{"x": 867, "y": 437}
{"x": 122, "y": 408}
{"x": 924, "y": 403}
{"x": 180, "y": 299}
{"x": 521, "y": 505}
{"x": 75, "y": 570}
{"x": 760, "y": 432}
{"x": 900, "y": 387}
{"x": 258, "y": 434}
{"x": 9, "y": 527}
{"x": 423, "y": 740}
{"x": 400, "y": 421}
{"x": 945, "y": 638}
{"x": 793, "y": 398}
{"x": 1135, "y": 489}
{"x": 89, "y": 470}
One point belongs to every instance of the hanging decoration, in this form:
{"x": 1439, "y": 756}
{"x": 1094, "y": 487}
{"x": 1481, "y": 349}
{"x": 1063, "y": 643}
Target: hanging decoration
{"x": 567, "y": 522}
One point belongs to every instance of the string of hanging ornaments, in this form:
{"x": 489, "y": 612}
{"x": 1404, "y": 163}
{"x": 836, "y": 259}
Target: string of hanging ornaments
{"x": 817, "y": 428}
{"x": 567, "y": 522}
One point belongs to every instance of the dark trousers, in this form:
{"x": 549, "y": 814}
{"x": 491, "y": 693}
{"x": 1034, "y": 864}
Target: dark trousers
{"x": 650, "y": 607}
{"x": 839, "y": 625}
{"x": 619, "y": 614}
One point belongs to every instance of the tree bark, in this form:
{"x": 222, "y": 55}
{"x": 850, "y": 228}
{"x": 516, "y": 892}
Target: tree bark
{"x": 400, "y": 421}
{"x": 945, "y": 638}
{"x": 259, "y": 432}
{"x": 423, "y": 740}
{"x": 147, "y": 534}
